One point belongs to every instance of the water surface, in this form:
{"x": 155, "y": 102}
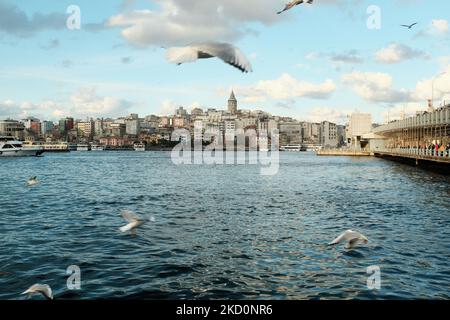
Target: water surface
{"x": 222, "y": 232}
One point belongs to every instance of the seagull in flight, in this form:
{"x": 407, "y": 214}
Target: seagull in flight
{"x": 225, "y": 51}
{"x": 43, "y": 289}
{"x": 133, "y": 221}
{"x": 409, "y": 26}
{"x": 294, "y": 3}
{"x": 32, "y": 181}
{"x": 352, "y": 239}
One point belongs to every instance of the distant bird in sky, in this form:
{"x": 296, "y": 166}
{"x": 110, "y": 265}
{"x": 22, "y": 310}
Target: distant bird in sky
{"x": 409, "y": 26}
{"x": 225, "y": 51}
{"x": 43, "y": 289}
{"x": 32, "y": 181}
{"x": 133, "y": 221}
{"x": 294, "y": 3}
{"x": 352, "y": 239}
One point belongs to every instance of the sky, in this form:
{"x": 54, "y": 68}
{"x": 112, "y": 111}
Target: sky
{"x": 314, "y": 62}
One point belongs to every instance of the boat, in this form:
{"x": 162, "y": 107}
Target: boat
{"x": 98, "y": 147}
{"x": 10, "y": 147}
{"x": 139, "y": 147}
{"x": 72, "y": 147}
{"x": 83, "y": 147}
{"x": 293, "y": 148}
{"x": 56, "y": 147}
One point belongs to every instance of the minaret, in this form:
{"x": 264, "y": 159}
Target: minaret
{"x": 232, "y": 104}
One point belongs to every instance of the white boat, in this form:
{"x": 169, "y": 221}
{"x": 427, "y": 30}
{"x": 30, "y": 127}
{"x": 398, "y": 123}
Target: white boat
{"x": 56, "y": 147}
{"x": 98, "y": 147}
{"x": 293, "y": 148}
{"x": 83, "y": 147}
{"x": 10, "y": 147}
{"x": 139, "y": 147}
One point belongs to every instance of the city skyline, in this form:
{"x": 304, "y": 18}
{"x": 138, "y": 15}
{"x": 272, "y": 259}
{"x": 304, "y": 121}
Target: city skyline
{"x": 108, "y": 68}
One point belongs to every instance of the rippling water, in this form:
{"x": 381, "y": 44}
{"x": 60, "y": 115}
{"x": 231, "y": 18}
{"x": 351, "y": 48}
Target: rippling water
{"x": 222, "y": 232}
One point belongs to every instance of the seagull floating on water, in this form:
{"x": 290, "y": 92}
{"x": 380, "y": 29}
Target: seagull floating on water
{"x": 32, "y": 181}
{"x": 133, "y": 221}
{"x": 225, "y": 51}
{"x": 43, "y": 289}
{"x": 353, "y": 238}
{"x": 409, "y": 26}
{"x": 294, "y": 3}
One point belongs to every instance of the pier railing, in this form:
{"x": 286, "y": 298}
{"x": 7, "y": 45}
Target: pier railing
{"x": 417, "y": 152}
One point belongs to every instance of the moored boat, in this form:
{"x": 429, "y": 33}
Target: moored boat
{"x": 10, "y": 147}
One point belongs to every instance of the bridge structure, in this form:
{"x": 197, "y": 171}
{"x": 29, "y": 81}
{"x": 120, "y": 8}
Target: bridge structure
{"x": 422, "y": 139}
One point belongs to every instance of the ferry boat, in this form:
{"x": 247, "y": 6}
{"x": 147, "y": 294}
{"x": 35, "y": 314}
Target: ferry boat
{"x": 293, "y": 148}
{"x": 98, "y": 147}
{"x": 56, "y": 147}
{"x": 139, "y": 147}
{"x": 83, "y": 147}
{"x": 10, "y": 147}
{"x": 72, "y": 147}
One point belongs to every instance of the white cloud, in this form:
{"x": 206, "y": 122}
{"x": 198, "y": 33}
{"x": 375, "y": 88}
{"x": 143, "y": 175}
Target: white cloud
{"x": 86, "y": 103}
{"x": 439, "y": 26}
{"x": 335, "y": 115}
{"x": 176, "y": 22}
{"x": 286, "y": 87}
{"x": 375, "y": 87}
{"x": 396, "y": 53}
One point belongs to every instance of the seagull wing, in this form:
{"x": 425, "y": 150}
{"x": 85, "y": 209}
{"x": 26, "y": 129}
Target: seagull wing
{"x": 40, "y": 288}
{"x": 229, "y": 54}
{"x": 345, "y": 236}
{"x": 180, "y": 55}
{"x": 129, "y": 216}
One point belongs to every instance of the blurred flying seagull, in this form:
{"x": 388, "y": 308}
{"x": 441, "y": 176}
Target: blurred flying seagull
{"x": 409, "y": 26}
{"x": 43, "y": 289}
{"x": 294, "y": 3}
{"x": 353, "y": 238}
{"x": 225, "y": 51}
{"x": 133, "y": 221}
{"x": 32, "y": 181}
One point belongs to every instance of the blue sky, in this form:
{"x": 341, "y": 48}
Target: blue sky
{"x": 314, "y": 62}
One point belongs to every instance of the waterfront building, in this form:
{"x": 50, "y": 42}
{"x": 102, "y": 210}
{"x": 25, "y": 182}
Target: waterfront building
{"x": 65, "y": 125}
{"x": 341, "y": 135}
{"x": 290, "y": 133}
{"x": 86, "y": 128}
{"x": 12, "y": 128}
{"x": 267, "y": 125}
{"x": 181, "y": 112}
{"x": 33, "y": 125}
{"x": 165, "y": 122}
{"x": 46, "y": 127}
{"x": 116, "y": 129}
{"x": 359, "y": 125}
{"x": 132, "y": 127}
{"x": 180, "y": 122}
{"x": 196, "y": 112}
{"x": 99, "y": 127}
{"x": 328, "y": 135}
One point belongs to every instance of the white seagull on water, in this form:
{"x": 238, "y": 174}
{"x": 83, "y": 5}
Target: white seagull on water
{"x": 43, "y": 289}
{"x": 133, "y": 221}
{"x": 294, "y": 3}
{"x": 32, "y": 181}
{"x": 225, "y": 51}
{"x": 353, "y": 238}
